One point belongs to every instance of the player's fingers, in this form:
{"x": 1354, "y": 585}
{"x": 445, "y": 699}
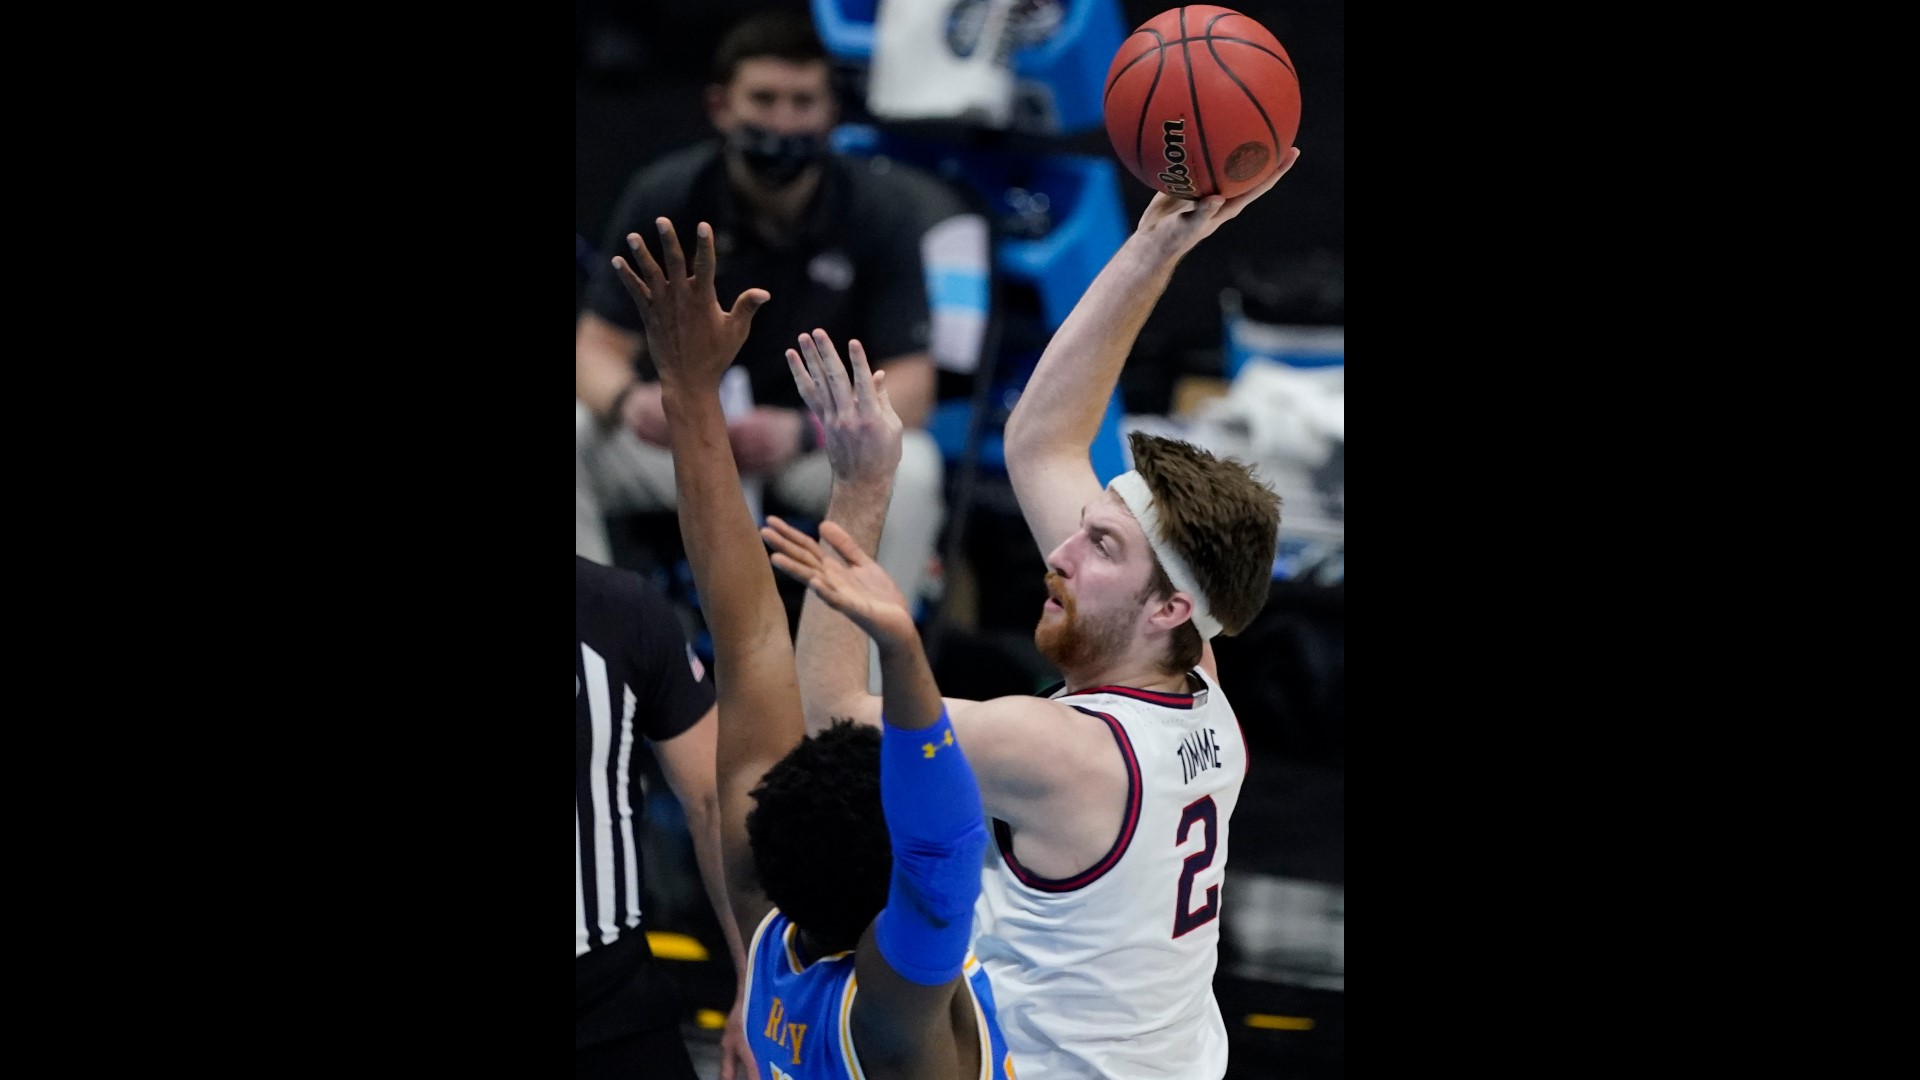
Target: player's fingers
{"x": 799, "y": 554}
{"x": 880, "y": 395}
{"x": 798, "y": 572}
{"x": 822, "y": 382}
{"x": 842, "y": 543}
{"x": 1240, "y": 202}
{"x": 643, "y": 263}
{"x": 863, "y": 383}
{"x": 635, "y": 287}
{"x": 802, "y": 381}
{"x": 670, "y": 250}
{"x": 794, "y": 535}
{"x": 840, "y": 593}
{"x": 746, "y": 305}
{"x": 836, "y": 371}
{"x": 789, "y": 539}
{"x": 783, "y": 527}
{"x": 702, "y": 252}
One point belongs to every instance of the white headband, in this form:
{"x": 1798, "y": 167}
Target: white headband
{"x": 1132, "y": 489}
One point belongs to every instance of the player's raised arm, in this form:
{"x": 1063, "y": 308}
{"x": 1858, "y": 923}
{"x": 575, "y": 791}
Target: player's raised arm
{"x": 910, "y": 960}
{"x": 693, "y": 340}
{"x": 862, "y": 436}
{"x": 1052, "y": 427}
{"x": 861, "y": 433}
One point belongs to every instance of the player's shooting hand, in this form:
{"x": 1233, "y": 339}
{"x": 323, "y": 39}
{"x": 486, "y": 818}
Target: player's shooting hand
{"x": 846, "y": 578}
{"x": 691, "y": 339}
{"x": 1173, "y": 226}
{"x": 859, "y": 426}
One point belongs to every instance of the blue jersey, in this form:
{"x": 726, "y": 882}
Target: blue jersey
{"x": 798, "y": 1017}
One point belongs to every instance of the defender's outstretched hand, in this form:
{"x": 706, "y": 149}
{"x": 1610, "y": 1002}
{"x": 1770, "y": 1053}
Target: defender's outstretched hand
{"x": 860, "y": 429}
{"x": 849, "y": 581}
{"x": 688, "y": 335}
{"x": 1179, "y": 224}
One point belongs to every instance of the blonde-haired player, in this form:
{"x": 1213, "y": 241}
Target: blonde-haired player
{"x": 1098, "y": 916}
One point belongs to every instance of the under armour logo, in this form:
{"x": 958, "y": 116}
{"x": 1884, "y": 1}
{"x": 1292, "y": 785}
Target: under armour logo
{"x": 928, "y": 749}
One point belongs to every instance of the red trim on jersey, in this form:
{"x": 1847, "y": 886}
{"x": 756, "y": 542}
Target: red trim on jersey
{"x": 1151, "y": 697}
{"x": 1004, "y": 835}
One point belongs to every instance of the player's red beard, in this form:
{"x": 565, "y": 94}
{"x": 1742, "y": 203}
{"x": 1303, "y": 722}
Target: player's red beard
{"x": 1068, "y": 641}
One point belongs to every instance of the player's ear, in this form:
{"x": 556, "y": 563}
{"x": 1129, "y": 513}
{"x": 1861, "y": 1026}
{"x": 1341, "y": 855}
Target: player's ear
{"x": 1172, "y": 611}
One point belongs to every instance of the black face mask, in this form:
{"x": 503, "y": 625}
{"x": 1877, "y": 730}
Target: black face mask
{"x": 777, "y": 160}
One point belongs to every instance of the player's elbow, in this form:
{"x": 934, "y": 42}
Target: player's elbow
{"x": 941, "y": 879}
{"x": 1031, "y": 443}
{"x": 892, "y": 1040}
{"x": 1019, "y": 433}
{"x": 924, "y": 929}
{"x": 702, "y": 809}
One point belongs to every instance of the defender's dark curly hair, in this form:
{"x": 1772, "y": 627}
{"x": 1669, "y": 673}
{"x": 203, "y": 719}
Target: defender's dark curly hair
{"x": 819, "y": 837}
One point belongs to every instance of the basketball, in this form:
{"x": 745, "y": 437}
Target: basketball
{"x": 1201, "y": 100}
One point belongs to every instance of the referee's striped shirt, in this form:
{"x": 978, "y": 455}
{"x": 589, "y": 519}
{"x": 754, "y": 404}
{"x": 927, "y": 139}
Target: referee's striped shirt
{"x": 634, "y": 677}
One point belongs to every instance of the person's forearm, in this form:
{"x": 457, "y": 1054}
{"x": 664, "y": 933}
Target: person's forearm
{"x": 910, "y": 697}
{"x": 1066, "y": 397}
{"x": 731, "y": 572}
{"x": 704, "y": 825}
{"x": 936, "y": 824}
{"x": 831, "y": 652}
{"x": 718, "y": 530}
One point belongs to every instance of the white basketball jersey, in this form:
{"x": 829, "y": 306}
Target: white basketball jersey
{"x": 1110, "y": 973}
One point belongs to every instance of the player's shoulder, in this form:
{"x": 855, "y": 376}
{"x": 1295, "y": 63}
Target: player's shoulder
{"x": 1020, "y": 704}
{"x": 620, "y": 593}
{"x": 765, "y": 940}
{"x": 610, "y": 580}
{"x": 1027, "y": 714}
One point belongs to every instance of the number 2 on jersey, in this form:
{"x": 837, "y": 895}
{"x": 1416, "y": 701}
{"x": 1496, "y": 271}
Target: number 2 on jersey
{"x": 1185, "y": 920}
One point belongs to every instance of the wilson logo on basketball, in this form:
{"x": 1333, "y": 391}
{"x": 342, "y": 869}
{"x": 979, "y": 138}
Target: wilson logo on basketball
{"x": 1175, "y": 174}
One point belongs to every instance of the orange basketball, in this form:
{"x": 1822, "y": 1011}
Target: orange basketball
{"x": 1201, "y": 99}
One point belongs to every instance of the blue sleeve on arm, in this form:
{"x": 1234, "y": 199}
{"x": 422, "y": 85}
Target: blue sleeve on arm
{"x": 938, "y": 834}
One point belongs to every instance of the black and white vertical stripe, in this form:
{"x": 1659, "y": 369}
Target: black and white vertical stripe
{"x": 606, "y": 896}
